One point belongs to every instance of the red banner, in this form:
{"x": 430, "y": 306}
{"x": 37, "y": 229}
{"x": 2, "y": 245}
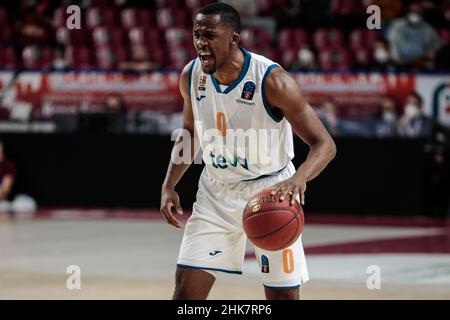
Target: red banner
{"x": 71, "y": 92}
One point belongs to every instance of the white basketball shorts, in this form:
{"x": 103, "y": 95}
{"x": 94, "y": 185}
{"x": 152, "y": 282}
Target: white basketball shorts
{"x": 214, "y": 239}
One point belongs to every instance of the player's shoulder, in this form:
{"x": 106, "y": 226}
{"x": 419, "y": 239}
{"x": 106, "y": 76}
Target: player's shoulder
{"x": 185, "y": 78}
{"x": 187, "y": 69}
{"x": 262, "y": 60}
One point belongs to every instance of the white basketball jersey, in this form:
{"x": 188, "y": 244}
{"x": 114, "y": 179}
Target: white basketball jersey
{"x": 241, "y": 138}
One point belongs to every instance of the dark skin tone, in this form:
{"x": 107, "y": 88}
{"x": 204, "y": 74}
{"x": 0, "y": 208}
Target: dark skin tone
{"x": 217, "y": 46}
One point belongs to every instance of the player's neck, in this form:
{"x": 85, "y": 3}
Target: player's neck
{"x": 231, "y": 69}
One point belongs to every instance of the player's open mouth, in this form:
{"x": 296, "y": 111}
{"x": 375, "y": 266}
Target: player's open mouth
{"x": 205, "y": 57}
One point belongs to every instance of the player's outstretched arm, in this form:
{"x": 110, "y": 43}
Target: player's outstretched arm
{"x": 284, "y": 93}
{"x": 169, "y": 197}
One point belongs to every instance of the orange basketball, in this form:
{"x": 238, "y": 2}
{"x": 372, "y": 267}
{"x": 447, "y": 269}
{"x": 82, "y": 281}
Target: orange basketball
{"x": 271, "y": 224}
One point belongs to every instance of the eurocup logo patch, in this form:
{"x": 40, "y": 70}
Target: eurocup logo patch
{"x": 264, "y": 264}
{"x": 249, "y": 90}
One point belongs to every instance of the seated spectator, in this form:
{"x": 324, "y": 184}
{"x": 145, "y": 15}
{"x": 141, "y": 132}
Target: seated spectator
{"x": 381, "y": 57}
{"x": 327, "y": 114}
{"x": 59, "y": 61}
{"x": 384, "y": 124}
{"x": 7, "y": 175}
{"x": 140, "y": 60}
{"x": 305, "y": 60}
{"x": 413, "y": 123}
{"x": 22, "y": 206}
{"x": 115, "y": 109}
{"x": 111, "y": 119}
{"x": 413, "y": 41}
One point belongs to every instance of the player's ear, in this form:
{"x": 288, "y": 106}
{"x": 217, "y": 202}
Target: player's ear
{"x": 235, "y": 38}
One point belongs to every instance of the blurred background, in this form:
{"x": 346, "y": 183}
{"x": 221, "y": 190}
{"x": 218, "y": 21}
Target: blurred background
{"x": 86, "y": 115}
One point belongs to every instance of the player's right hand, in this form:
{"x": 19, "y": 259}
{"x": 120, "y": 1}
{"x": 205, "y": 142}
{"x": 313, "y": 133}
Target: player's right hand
{"x": 169, "y": 200}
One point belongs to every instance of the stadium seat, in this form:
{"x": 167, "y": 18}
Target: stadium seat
{"x": 100, "y": 16}
{"x": 288, "y": 55}
{"x": 105, "y": 58}
{"x": 176, "y": 37}
{"x": 80, "y": 57}
{"x": 8, "y": 59}
{"x": 444, "y": 34}
{"x": 103, "y": 36}
{"x": 345, "y": 7}
{"x": 258, "y": 37}
{"x": 139, "y": 35}
{"x": 167, "y": 17}
{"x": 172, "y": 4}
{"x": 362, "y": 57}
{"x": 3, "y": 14}
{"x": 136, "y": 17}
{"x": 326, "y": 38}
{"x": 362, "y": 38}
{"x": 6, "y": 34}
{"x": 334, "y": 59}
{"x": 178, "y": 58}
{"x": 35, "y": 57}
{"x": 292, "y": 38}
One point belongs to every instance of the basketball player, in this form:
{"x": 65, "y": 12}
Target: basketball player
{"x": 228, "y": 88}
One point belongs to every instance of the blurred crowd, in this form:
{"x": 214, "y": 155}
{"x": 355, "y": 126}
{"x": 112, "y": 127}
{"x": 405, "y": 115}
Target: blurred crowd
{"x": 391, "y": 119}
{"x": 143, "y": 35}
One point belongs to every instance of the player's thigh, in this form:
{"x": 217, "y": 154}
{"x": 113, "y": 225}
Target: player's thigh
{"x": 282, "y": 294}
{"x": 283, "y": 269}
{"x": 192, "y": 284}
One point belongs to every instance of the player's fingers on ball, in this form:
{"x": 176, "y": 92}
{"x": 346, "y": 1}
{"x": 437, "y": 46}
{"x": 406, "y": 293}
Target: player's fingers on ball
{"x": 284, "y": 193}
{"x": 294, "y": 195}
{"x": 275, "y": 189}
{"x": 302, "y": 197}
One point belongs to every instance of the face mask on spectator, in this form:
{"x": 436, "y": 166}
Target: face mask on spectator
{"x": 59, "y": 63}
{"x": 389, "y": 116}
{"x": 381, "y": 55}
{"x": 414, "y": 18}
{"x": 411, "y": 110}
{"x": 305, "y": 56}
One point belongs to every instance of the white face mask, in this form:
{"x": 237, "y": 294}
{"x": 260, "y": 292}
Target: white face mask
{"x": 388, "y": 116}
{"x": 59, "y": 63}
{"x": 305, "y": 56}
{"x": 381, "y": 55}
{"x": 411, "y": 110}
{"x": 414, "y": 18}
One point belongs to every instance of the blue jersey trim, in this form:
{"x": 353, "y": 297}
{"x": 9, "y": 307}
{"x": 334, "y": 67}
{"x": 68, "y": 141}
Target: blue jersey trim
{"x": 266, "y": 175}
{"x": 242, "y": 74}
{"x": 281, "y": 288}
{"x": 207, "y": 268}
{"x": 190, "y": 75}
{"x": 263, "y": 91}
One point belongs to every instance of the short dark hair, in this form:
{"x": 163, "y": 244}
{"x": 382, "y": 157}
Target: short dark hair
{"x": 416, "y": 95}
{"x": 228, "y": 14}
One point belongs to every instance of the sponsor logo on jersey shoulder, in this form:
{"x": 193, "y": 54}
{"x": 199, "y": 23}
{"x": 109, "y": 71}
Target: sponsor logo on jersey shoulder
{"x": 214, "y": 253}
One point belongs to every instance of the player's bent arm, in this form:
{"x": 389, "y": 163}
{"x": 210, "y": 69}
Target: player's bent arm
{"x": 283, "y": 92}
{"x": 6, "y": 186}
{"x": 176, "y": 169}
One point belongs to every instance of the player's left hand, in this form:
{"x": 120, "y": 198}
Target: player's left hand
{"x": 295, "y": 185}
